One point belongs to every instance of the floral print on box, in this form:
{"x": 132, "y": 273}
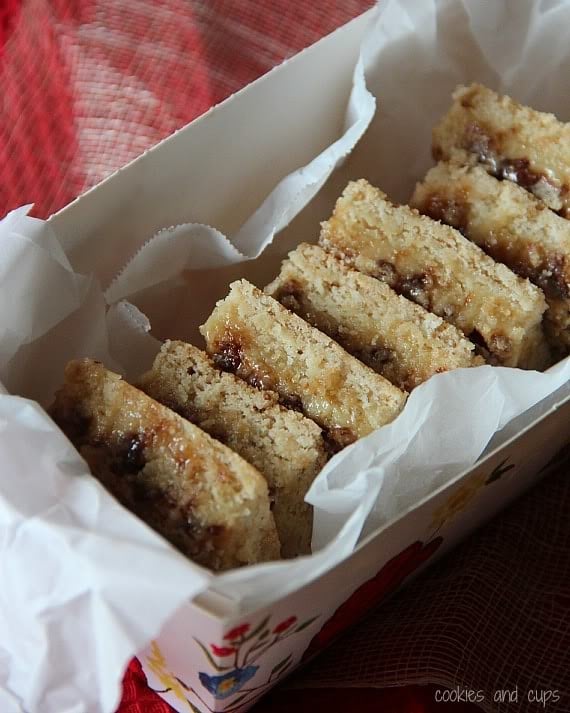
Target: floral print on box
{"x": 229, "y": 683}
{"x": 233, "y": 663}
{"x": 157, "y": 664}
{"x": 460, "y": 498}
{"x": 236, "y": 661}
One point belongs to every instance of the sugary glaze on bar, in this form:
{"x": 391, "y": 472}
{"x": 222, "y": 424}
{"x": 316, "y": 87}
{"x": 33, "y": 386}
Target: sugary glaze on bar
{"x": 201, "y": 496}
{"x": 392, "y": 335}
{"x": 252, "y": 335}
{"x": 287, "y": 448}
{"x": 512, "y": 226}
{"x": 511, "y": 141}
{"x": 435, "y": 266}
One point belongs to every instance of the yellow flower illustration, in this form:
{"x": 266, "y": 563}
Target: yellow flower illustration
{"x": 463, "y": 495}
{"x": 458, "y": 501}
{"x": 157, "y": 664}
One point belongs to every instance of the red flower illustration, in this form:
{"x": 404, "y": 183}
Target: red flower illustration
{"x": 222, "y": 650}
{"x": 389, "y": 578}
{"x": 284, "y": 625}
{"x": 236, "y": 632}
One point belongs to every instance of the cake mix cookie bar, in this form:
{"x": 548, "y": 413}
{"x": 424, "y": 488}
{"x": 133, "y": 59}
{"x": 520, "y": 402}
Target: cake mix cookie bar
{"x": 255, "y": 337}
{"x": 395, "y": 337}
{"x": 287, "y": 448}
{"x": 511, "y": 141}
{"x": 211, "y": 504}
{"x": 435, "y": 266}
{"x": 512, "y": 226}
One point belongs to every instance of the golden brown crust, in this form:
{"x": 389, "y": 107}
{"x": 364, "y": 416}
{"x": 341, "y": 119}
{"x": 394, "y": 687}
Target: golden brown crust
{"x": 511, "y": 141}
{"x": 392, "y": 335}
{"x": 253, "y": 336}
{"x": 435, "y": 266}
{"x": 200, "y": 495}
{"x": 512, "y": 226}
{"x": 287, "y": 448}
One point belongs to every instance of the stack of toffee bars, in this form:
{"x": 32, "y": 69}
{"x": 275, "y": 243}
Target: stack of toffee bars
{"x": 216, "y": 449}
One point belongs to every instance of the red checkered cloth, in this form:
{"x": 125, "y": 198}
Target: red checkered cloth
{"x": 88, "y": 85}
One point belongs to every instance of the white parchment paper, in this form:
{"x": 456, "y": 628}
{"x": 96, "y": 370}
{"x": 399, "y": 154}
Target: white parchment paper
{"x": 68, "y": 624}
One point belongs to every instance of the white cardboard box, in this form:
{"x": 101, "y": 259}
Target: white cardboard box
{"x": 262, "y": 133}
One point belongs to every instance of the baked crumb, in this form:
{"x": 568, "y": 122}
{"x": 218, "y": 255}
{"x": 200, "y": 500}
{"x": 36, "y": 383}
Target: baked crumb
{"x": 201, "y": 496}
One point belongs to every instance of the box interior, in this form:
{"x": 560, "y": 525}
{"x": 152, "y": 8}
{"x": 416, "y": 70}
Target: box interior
{"x": 206, "y": 173}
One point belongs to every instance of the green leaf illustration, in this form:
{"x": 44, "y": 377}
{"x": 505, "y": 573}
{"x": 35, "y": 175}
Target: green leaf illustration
{"x": 210, "y": 658}
{"x": 281, "y": 665}
{"x": 499, "y": 471}
{"x": 305, "y": 624}
{"x": 257, "y": 629}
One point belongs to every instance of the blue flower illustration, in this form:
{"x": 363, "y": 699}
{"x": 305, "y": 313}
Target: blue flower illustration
{"x": 229, "y": 683}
